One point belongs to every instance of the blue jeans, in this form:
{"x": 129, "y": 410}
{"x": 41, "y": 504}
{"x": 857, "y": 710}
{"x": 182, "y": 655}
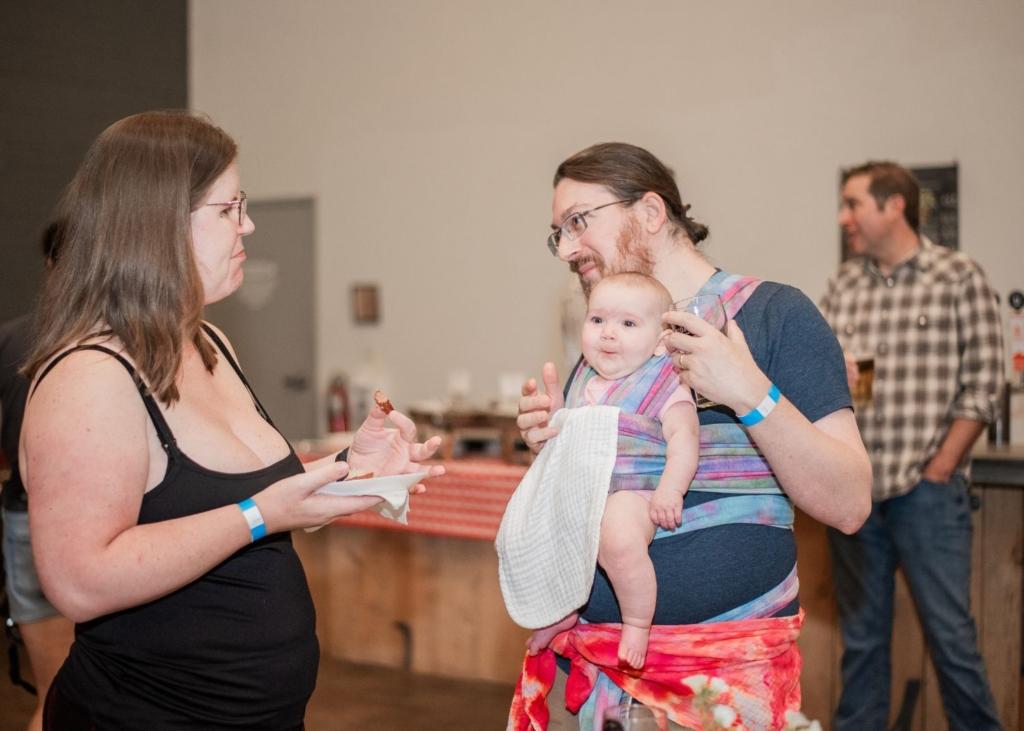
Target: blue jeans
{"x": 928, "y": 532}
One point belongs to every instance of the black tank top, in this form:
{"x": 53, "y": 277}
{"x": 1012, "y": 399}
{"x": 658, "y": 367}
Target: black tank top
{"x": 235, "y": 649}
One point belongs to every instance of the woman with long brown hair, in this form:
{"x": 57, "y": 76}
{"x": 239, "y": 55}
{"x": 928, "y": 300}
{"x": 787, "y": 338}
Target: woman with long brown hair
{"x": 162, "y": 495}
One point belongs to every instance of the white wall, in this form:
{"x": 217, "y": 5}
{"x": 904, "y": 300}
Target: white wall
{"x": 429, "y": 130}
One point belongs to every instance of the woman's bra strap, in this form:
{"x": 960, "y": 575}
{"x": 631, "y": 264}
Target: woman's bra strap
{"x": 245, "y": 381}
{"x": 167, "y": 440}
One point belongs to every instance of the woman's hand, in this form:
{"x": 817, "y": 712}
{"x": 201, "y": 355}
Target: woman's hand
{"x": 292, "y": 503}
{"x": 535, "y": 409}
{"x": 384, "y": 451}
{"x": 719, "y": 367}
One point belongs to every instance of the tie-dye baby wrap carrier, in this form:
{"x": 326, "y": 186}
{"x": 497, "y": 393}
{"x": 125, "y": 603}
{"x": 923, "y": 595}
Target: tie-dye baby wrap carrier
{"x": 754, "y": 653}
{"x": 640, "y": 397}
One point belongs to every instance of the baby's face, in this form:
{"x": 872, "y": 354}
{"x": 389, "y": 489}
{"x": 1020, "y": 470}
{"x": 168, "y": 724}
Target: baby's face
{"x": 622, "y": 328}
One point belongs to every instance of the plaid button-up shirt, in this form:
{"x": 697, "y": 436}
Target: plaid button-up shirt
{"x": 933, "y": 328}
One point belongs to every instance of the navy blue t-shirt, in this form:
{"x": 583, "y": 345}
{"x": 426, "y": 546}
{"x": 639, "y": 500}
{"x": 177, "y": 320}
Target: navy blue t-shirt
{"x": 704, "y": 573}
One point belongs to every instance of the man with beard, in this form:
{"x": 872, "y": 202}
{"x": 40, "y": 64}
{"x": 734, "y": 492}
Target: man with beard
{"x": 780, "y": 432}
{"x": 929, "y": 319}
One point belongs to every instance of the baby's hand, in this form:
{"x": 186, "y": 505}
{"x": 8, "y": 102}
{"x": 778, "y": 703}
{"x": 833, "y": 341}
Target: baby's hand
{"x": 667, "y": 508}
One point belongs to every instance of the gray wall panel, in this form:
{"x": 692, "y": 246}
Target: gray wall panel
{"x": 67, "y": 70}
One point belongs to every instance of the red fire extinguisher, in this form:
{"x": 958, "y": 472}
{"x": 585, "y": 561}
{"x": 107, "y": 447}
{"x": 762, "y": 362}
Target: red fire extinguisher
{"x": 337, "y": 405}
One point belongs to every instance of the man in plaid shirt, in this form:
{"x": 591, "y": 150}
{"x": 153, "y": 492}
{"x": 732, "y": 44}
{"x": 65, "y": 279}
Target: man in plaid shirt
{"x": 930, "y": 320}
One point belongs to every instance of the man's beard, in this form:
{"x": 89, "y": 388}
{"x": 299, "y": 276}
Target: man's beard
{"x": 632, "y": 255}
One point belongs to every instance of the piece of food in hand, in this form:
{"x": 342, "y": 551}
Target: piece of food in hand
{"x": 382, "y": 402}
{"x": 360, "y": 476}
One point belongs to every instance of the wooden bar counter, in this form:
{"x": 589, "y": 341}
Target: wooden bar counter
{"x": 426, "y": 596}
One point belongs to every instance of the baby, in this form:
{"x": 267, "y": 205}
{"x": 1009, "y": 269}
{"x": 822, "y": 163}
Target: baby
{"x": 623, "y": 353}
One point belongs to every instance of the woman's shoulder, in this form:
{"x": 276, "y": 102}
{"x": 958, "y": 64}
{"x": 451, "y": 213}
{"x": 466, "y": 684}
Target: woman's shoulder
{"x": 84, "y": 403}
{"x": 89, "y": 371}
{"x": 85, "y": 419}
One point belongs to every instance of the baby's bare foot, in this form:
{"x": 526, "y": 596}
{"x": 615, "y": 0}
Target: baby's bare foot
{"x": 633, "y": 645}
{"x": 542, "y": 637}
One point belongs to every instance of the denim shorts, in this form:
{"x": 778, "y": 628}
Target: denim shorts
{"x": 24, "y": 593}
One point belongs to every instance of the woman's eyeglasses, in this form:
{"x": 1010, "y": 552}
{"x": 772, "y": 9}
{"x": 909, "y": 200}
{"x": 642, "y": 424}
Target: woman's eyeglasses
{"x": 240, "y": 203}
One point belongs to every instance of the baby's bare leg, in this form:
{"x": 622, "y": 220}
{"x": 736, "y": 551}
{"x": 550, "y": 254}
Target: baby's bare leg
{"x": 626, "y": 531}
{"x": 542, "y": 637}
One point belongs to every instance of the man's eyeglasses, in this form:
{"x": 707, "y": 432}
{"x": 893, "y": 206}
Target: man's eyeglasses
{"x": 574, "y": 225}
{"x": 241, "y": 203}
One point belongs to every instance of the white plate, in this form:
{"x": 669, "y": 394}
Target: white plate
{"x": 384, "y": 486}
{"x": 393, "y": 488}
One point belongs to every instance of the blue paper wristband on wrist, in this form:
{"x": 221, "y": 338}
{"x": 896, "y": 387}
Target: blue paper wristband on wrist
{"x": 762, "y": 409}
{"x": 253, "y": 516}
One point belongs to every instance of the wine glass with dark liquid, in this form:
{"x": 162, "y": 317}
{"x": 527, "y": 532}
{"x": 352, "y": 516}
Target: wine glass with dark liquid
{"x": 709, "y": 308}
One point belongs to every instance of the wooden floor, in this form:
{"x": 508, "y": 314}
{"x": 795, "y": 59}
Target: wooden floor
{"x": 352, "y": 696}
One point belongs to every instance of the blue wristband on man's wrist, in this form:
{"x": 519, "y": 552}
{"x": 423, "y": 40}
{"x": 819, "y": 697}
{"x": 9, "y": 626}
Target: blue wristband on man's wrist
{"x": 762, "y": 409}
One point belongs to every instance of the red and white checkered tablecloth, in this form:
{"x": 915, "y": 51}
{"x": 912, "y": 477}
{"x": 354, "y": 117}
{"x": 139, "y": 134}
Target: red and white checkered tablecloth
{"x": 466, "y": 502}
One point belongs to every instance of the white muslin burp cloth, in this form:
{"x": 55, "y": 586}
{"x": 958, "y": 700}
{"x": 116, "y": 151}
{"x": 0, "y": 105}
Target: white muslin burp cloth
{"x": 393, "y": 488}
{"x": 548, "y": 540}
